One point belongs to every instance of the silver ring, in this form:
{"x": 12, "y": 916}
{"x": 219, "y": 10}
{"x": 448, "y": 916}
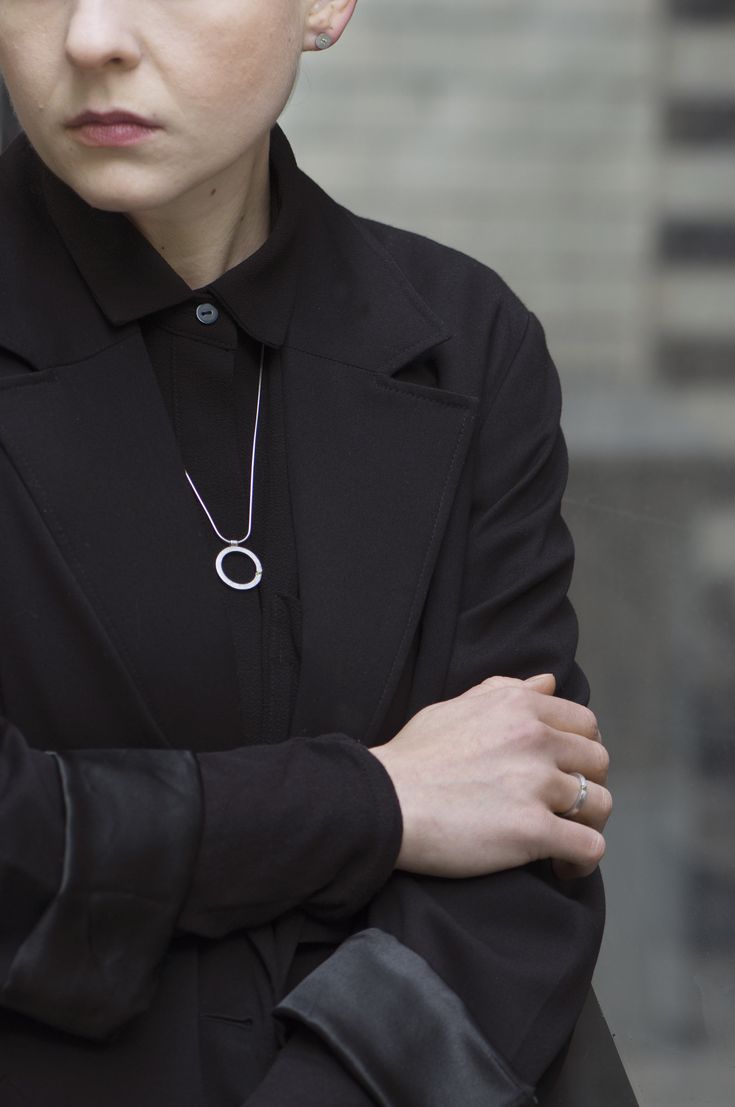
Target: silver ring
{"x": 581, "y": 796}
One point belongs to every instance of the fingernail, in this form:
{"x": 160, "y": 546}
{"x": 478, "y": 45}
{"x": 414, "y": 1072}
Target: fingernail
{"x": 541, "y": 678}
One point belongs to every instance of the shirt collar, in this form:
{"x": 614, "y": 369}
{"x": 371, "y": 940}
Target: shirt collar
{"x": 130, "y": 280}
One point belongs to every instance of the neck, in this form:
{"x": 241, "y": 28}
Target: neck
{"x": 215, "y": 226}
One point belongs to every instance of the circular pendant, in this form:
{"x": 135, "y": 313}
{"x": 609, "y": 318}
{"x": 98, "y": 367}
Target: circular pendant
{"x": 234, "y": 583}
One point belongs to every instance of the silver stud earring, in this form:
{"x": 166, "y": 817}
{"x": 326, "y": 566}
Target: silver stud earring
{"x": 323, "y": 41}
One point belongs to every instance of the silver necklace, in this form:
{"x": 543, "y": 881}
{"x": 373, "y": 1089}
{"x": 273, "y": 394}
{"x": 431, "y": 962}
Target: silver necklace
{"x": 235, "y": 545}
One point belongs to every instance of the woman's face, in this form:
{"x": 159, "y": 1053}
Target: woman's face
{"x": 211, "y": 76}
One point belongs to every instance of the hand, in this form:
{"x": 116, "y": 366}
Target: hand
{"x": 482, "y": 780}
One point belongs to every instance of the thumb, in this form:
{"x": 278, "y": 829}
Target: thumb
{"x": 544, "y": 683}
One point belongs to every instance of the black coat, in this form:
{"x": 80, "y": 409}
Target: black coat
{"x": 426, "y": 468}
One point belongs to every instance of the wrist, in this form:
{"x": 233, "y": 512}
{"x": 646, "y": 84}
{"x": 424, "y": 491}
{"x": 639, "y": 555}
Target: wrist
{"x": 405, "y": 799}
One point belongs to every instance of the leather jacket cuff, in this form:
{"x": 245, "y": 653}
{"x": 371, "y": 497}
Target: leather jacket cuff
{"x": 133, "y": 821}
{"x": 400, "y": 1030}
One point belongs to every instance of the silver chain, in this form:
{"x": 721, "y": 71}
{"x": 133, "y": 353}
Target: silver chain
{"x": 239, "y": 541}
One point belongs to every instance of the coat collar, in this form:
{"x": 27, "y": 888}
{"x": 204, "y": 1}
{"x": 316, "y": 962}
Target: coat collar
{"x": 342, "y": 298}
{"x": 129, "y": 279}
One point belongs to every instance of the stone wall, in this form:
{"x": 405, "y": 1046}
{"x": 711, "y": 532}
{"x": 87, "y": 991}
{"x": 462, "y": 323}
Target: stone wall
{"x": 520, "y": 131}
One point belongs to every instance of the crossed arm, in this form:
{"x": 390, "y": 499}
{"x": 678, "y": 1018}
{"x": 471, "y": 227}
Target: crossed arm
{"x": 120, "y": 837}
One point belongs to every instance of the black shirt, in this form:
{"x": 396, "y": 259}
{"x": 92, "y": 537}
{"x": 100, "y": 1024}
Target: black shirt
{"x": 205, "y": 348}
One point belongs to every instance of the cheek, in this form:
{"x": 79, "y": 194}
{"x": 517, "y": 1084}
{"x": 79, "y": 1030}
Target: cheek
{"x": 247, "y": 70}
{"x": 28, "y": 62}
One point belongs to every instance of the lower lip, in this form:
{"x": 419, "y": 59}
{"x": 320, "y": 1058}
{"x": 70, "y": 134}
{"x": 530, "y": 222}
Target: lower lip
{"x": 113, "y": 134}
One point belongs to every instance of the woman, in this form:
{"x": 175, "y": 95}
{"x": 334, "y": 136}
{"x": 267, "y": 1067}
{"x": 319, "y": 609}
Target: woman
{"x": 274, "y": 829}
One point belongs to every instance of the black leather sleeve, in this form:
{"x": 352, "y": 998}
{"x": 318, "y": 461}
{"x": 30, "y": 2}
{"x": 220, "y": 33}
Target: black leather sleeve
{"x": 395, "y": 1024}
{"x": 124, "y": 838}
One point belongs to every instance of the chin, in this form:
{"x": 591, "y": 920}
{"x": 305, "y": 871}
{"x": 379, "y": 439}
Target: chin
{"x": 115, "y": 190}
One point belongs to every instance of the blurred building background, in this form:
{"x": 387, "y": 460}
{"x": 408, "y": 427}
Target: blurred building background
{"x": 586, "y": 150}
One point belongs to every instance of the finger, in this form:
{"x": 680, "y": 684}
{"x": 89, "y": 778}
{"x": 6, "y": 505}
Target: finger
{"x": 575, "y": 754}
{"x": 565, "y": 870}
{"x": 567, "y": 715}
{"x": 573, "y": 842}
{"x": 544, "y": 683}
{"x": 492, "y": 684}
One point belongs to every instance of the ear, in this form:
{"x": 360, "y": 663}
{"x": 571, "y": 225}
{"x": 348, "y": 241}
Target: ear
{"x": 326, "y": 17}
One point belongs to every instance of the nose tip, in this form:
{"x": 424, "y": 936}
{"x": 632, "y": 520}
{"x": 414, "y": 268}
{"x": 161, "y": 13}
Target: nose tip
{"x": 97, "y": 37}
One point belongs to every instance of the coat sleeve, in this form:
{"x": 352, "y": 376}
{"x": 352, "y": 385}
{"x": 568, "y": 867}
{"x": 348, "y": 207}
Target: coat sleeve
{"x": 476, "y": 984}
{"x": 102, "y": 850}
{"x": 311, "y": 822}
{"x": 96, "y": 854}
{"x": 308, "y": 1072}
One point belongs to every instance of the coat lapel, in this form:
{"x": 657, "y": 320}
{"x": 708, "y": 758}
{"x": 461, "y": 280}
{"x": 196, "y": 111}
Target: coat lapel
{"x": 373, "y": 464}
{"x": 373, "y": 470}
{"x": 93, "y": 445}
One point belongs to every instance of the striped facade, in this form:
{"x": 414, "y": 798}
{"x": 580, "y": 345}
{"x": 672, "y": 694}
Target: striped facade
{"x": 696, "y": 243}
